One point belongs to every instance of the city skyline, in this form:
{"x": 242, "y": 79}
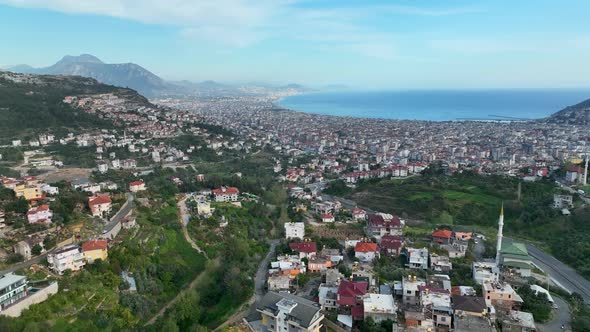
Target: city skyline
{"x": 379, "y": 44}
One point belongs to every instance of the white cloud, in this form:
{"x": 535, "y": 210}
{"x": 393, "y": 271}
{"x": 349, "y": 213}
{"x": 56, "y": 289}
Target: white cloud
{"x": 241, "y": 23}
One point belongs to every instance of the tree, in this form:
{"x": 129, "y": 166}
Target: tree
{"x": 36, "y": 250}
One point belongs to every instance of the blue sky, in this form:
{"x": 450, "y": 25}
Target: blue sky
{"x": 373, "y": 44}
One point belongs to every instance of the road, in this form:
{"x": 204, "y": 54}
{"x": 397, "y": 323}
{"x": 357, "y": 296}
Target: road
{"x": 571, "y": 190}
{"x": 124, "y": 211}
{"x": 561, "y": 316}
{"x": 559, "y": 272}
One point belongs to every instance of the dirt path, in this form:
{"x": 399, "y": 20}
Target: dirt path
{"x": 216, "y": 262}
{"x": 183, "y": 218}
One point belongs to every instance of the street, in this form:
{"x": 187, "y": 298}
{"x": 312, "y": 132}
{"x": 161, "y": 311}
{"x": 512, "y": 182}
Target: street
{"x": 561, "y": 316}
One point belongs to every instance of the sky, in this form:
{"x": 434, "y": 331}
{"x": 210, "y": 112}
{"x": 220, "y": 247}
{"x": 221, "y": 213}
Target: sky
{"x": 427, "y": 44}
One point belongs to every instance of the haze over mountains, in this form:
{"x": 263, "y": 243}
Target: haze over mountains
{"x": 138, "y": 78}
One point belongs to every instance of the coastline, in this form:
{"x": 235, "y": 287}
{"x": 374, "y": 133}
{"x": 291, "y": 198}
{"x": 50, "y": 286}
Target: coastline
{"x": 524, "y": 105}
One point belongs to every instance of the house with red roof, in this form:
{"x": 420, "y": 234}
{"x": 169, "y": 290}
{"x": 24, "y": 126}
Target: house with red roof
{"x": 95, "y": 249}
{"x": 380, "y": 224}
{"x": 137, "y": 186}
{"x": 226, "y": 194}
{"x": 358, "y": 214}
{"x": 40, "y": 214}
{"x": 366, "y": 251}
{"x": 350, "y": 296}
{"x": 392, "y": 245}
{"x": 327, "y": 217}
{"x": 100, "y": 205}
{"x": 442, "y": 236}
{"x": 306, "y": 249}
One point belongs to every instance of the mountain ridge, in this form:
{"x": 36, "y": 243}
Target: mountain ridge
{"x": 578, "y": 114}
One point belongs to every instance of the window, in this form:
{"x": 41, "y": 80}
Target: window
{"x": 409, "y": 292}
{"x": 443, "y": 318}
{"x": 488, "y": 297}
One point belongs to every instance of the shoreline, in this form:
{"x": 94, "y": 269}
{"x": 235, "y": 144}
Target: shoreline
{"x": 451, "y": 105}
{"x": 279, "y": 107}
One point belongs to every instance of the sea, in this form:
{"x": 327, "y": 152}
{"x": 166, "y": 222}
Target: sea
{"x": 438, "y": 105}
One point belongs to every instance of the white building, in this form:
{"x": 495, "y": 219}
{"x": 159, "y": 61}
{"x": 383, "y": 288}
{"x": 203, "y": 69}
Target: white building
{"x": 226, "y": 194}
{"x": 328, "y": 295}
{"x": 294, "y": 230}
{"x": 67, "y": 258}
{"x": 40, "y": 214}
{"x": 485, "y": 272}
{"x": 379, "y": 307}
{"x": 417, "y": 258}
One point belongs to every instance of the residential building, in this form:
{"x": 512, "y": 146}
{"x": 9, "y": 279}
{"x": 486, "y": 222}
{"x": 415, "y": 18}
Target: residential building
{"x": 67, "y": 258}
{"x": 306, "y": 249}
{"x": 328, "y": 295}
{"x": 40, "y": 214}
{"x": 30, "y": 192}
{"x": 358, "y": 214}
{"x": 319, "y": 264}
{"x": 350, "y": 297}
{"x": 502, "y": 296}
{"x": 366, "y": 251}
{"x": 440, "y": 263}
{"x": 439, "y": 302}
{"x": 137, "y": 186}
{"x": 279, "y": 282}
{"x": 485, "y": 271}
{"x": 294, "y": 230}
{"x": 379, "y": 307}
{"x": 411, "y": 290}
{"x": 327, "y": 218}
{"x": 287, "y": 312}
{"x": 469, "y": 305}
{"x": 100, "y": 206}
{"x": 417, "y": 258}
{"x": 380, "y": 224}
{"x": 442, "y": 236}
{"x": 392, "y": 245}
{"x": 12, "y": 288}
{"x": 95, "y": 249}
{"x": 226, "y": 194}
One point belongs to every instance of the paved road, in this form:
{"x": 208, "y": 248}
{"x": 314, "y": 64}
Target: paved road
{"x": 560, "y": 272}
{"x": 562, "y": 316}
{"x": 260, "y": 279}
{"x": 124, "y": 211}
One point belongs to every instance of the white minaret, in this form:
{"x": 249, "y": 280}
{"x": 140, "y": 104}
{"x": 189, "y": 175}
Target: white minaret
{"x": 500, "y": 227}
{"x": 586, "y": 172}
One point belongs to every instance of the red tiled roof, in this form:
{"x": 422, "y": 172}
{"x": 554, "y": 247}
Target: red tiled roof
{"x": 136, "y": 183}
{"x": 306, "y": 247}
{"x": 349, "y": 290}
{"x": 392, "y": 242}
{"x": 228, "y": 190}
{"x": 442, "y": 233}
{"x": 365, "y": 247}
{"x": 327, "y": 216}
{"x": 94, "y": 245}
{"x": 38, "y": 209}
{"x": 103, "y": 199}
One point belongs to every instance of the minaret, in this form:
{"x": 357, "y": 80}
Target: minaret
{"x": 586, "y": 172}
{"x": 500, "y": 226}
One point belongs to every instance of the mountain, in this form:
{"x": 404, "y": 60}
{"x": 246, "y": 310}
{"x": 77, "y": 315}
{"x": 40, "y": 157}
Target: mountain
{"x": 122, "y": 74}
{"x": 578, "y": 114}
{"x": 31, "y": 103}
